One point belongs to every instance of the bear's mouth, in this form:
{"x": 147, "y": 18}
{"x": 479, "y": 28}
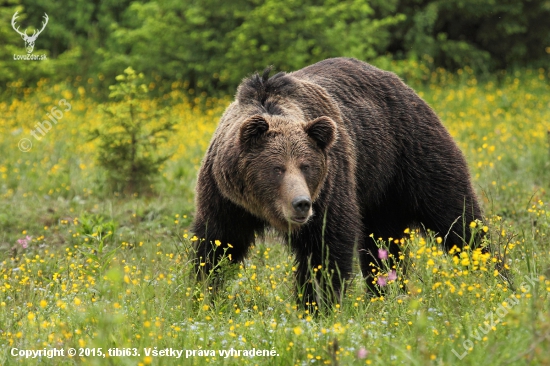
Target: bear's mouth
{"x": 299, "y": 219}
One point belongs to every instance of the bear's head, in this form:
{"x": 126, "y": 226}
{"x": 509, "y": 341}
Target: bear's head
{"x": 283, "y": 165}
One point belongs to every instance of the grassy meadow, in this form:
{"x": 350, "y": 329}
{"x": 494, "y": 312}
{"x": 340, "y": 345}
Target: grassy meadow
{"x": 83, "y": 268}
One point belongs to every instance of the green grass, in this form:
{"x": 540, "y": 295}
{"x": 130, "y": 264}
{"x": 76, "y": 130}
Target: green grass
{"x": 105, "y": 271}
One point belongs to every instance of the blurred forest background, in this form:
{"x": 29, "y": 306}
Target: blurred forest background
{"x": 210, "y": 45}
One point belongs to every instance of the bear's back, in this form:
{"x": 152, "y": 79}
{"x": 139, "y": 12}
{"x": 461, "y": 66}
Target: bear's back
{"x": 343, "y": 74}
{"x": 336, "y": 67}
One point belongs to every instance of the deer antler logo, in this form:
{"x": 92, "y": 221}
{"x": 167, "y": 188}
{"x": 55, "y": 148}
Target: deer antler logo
{"x": 29, "y": 40}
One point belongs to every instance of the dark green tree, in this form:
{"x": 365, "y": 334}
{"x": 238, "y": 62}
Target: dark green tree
{"x": 484, "y": 34}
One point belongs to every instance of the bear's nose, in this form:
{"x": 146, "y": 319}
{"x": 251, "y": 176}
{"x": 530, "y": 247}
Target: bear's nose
{"x": 301, "y": 204}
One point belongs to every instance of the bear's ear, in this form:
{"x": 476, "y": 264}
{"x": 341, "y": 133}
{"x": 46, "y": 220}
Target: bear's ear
{"x": 252, "y": 129}
{"x": 323, "y": 131}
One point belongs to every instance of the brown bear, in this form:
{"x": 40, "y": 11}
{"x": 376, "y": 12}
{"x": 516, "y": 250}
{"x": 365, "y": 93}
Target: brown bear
{"x": 328, "y": 155}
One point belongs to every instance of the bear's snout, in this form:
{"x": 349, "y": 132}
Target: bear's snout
{"x": 301, "y": 206}
{"x": 296, "y": 201}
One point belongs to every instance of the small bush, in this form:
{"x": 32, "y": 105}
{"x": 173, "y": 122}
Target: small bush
{"x": 131, "y": 135}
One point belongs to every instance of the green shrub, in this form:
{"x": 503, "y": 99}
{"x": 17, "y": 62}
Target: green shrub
{"x": 131, "y": 136}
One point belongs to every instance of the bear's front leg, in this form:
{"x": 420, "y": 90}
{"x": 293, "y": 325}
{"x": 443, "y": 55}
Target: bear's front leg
{"x": 324, "y": 262}
{"x": 221, "y": 227}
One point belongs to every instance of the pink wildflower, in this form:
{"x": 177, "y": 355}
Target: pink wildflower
{"x": 382, "y": 254}
{"x": 362, "y": 353}
{"x": 381, "y": 281}
{"x": 392, "y": 276}
{"x": 25, "y": 241}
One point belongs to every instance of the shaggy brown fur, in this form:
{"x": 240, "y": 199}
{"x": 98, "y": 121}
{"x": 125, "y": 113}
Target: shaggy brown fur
{"x": 328, "y": 155}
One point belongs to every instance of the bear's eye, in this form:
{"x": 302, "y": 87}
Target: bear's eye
{"x": 305, "y": 168}
{"x": 278, "y": 170}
